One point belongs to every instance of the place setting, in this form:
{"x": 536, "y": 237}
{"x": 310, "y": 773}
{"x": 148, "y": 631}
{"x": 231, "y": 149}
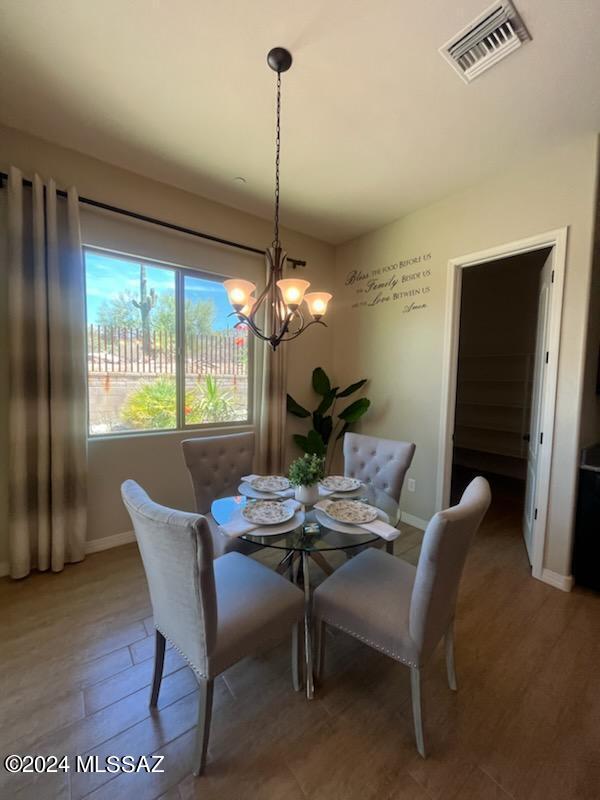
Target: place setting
{"x": 265, "y": 487}
{"x": 354, "y": 516}
{"x": 264, "y": 518}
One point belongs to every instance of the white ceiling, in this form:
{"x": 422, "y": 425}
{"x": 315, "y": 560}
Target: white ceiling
{"x": 375, "y": 123}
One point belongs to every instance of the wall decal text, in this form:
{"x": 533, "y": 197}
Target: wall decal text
{"x": 404, "y": 281}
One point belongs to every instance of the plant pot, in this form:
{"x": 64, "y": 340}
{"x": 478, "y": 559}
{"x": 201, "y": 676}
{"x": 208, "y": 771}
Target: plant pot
{"x": 308, "y": 495}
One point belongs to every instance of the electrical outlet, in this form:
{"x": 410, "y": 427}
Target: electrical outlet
{"x": 411, "y": 484}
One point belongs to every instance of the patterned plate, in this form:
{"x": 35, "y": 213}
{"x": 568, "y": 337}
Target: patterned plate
{"x": 354, "y": 512}
{"x": 267, "y": 512}
{"x": 270, "y": 483}
{"x": 339, "y": 483}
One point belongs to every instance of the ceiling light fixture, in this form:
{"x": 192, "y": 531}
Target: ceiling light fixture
{"x": 282, "y": 298}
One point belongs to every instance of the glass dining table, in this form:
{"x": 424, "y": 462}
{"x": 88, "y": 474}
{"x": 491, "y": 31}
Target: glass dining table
{"x": 310, "y": 540}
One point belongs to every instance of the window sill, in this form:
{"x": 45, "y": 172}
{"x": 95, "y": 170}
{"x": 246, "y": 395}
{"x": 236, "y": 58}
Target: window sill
{"x": 218, "y": 429}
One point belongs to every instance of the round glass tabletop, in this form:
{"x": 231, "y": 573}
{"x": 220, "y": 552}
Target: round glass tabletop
{"x": 308, "y": 537}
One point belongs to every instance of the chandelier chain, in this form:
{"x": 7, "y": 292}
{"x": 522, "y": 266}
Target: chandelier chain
{"x": 276, "y": 242}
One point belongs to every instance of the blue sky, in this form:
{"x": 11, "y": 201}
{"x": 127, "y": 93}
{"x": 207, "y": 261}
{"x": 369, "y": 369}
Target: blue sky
{"x": 108, "y": 275}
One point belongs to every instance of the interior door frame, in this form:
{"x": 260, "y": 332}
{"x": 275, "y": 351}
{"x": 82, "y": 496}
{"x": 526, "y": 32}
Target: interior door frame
{"x": 557, "y": 240}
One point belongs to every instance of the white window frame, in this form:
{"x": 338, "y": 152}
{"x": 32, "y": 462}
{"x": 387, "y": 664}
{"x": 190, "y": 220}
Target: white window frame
{"x": 181, "y": 426}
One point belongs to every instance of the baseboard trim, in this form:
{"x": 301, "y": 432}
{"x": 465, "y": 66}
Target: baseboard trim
{"x": 563, "y": 582}
{"x": 107, "y": 542}
{"x": 416, "y": 522}
{"x": 92, "y": 546}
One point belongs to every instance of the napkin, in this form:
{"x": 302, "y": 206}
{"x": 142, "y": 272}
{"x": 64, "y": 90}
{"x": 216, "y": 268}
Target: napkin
{"x": 383, "y": 529}
{"x": 378, "y": 526}
{"x": 283, "y": 493}
{"x": 238, "y": 525}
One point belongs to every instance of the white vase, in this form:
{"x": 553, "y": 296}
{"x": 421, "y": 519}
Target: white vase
{"x": 308, "y": 495}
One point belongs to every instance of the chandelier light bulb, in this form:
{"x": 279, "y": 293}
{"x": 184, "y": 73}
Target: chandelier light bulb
{"x": 239, "y": 292}
{"x": 317, "y": 303}
{"x": 292, "y": 290}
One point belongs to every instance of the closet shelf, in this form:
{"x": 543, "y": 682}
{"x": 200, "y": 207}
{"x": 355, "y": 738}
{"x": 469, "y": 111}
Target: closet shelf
{"x": 491, "y": 405}
{"x": 497, "y": 428}
{"x": 496, "y": 451}
{"x": 494, "y": 380}
{"x": 498, "y": 355}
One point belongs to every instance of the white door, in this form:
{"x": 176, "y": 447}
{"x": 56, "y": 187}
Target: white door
{"x": 537, "y": 394}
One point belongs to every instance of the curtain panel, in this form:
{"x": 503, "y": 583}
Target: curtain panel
{"x": 272, "y": 411}
{"x": 47, "y": 412}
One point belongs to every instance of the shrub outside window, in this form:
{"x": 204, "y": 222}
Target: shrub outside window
{"x": 162, "y": 352}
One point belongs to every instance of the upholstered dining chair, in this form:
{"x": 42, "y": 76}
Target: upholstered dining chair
{"x": 381, "y": 464}
{"x": 216, "y": 465}
{"x": 401, "y": 610}
{"x": 214, "y": 612}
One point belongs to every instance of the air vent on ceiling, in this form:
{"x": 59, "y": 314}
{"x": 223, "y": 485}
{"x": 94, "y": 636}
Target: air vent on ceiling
{"x": 488, "y": 39}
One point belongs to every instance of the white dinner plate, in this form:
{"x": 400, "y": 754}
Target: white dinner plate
{"x": 340, "y": 483}
{"x": 268, "y": 512}
{"x": 351, "y": 512}
{"x": 285, "y": 527}
{"x": 270, "y": 483}
{"x": 341, "y": 527}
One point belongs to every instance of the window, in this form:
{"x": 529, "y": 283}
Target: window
{"x": 162, "y": 352}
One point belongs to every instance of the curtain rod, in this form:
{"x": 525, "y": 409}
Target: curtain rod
{"x": 88, "y": 201}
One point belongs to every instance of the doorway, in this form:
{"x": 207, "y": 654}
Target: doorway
{"x": 499, "y": 387}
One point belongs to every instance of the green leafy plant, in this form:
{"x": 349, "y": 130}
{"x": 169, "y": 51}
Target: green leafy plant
{"x": 152, "y": 405}
{"x": 307, "y": 470}
{"x": 327, "y": 426}
{"x": 214, "y": 404}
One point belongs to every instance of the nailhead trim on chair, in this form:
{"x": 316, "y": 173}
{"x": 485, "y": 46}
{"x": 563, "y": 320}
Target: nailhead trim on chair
{"x": 375, "y": 646}
{"x": 183, "y": 655}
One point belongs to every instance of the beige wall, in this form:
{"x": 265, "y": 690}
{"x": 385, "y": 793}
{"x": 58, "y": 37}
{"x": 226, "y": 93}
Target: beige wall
{"x": 401, "y": 351}
{"x": 156, "y": 460}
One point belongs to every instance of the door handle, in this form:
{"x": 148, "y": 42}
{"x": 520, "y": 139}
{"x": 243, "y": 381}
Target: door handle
{"x": 526, "y": 438}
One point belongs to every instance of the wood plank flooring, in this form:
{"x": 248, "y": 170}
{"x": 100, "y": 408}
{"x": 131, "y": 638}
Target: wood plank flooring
{"x": 76, "y": 664}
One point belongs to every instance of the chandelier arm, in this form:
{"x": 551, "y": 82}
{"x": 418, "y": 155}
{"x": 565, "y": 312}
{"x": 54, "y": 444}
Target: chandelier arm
{"x": 244, "y": 320}
{"x": 277, "y": 337}
{"x": 256, "y": 307}
{"x": 262, "y": 296}
{"x": 301, "y": 330}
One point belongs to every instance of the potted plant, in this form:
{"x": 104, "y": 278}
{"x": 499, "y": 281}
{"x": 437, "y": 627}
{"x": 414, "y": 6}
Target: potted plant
{"x": 304, "y": 474}
{"x": 328, "y": 424}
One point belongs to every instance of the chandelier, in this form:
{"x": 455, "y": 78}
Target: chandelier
{"x": 282, "y": 298}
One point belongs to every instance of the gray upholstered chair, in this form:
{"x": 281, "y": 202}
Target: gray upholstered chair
{"x": 401, "y": 610}
{"x": 214, "y": 612}
{"x": 216, "y": 465}
{"x": 381, "y": 464}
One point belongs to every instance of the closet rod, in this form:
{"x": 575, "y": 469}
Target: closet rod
{"x": 88, "y": 201}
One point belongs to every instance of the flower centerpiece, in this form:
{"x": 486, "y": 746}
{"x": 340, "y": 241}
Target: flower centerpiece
{"x": 304, "y": 474}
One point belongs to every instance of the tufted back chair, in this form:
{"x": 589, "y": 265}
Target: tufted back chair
{"x": 381, "y": 464}
{"x": 217, "y": 464}
{"x": 443, "y": 554}
{"x": 176, "y": 549}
